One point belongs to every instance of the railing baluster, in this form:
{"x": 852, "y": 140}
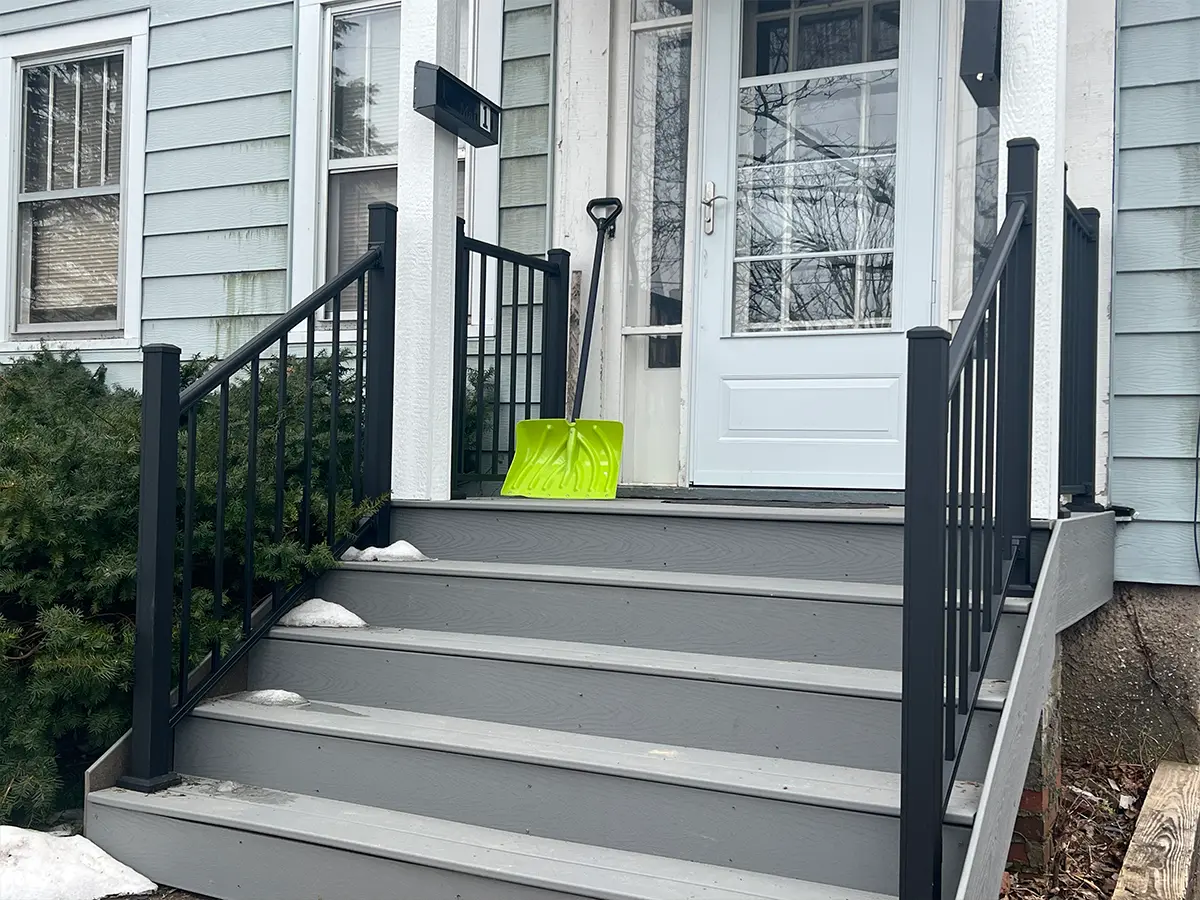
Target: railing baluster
{"x": 306, "y": 484}
{"x": 529, "y": 348}
{"x": 251, "y": 496}
{"x": 218, "y": 610}
{"x": 356, "y": 488}
{"x": 968, "y": 641}
{"x": 990, "y": 558}
{"x": 950, "y": 595}
{"x": 281, "y": 399}
{"x": 497, "y": 369}
{"x": 335, "y": 379}
{"x": 512, "y": 362}
{"x": 480, "y": 380}
{"x": 979, "y": 361}
{"x": 189, "y": 526}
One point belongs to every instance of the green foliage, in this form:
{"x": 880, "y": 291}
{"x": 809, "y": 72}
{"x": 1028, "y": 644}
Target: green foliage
{"x": 69, "y": 454}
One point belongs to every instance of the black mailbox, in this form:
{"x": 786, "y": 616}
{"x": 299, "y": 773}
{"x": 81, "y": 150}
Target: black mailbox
{"x": 455, "y": 105}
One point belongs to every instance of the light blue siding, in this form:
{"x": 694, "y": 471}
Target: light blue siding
{"x": 1156, "y": 290}
{"x": 527, "y": 97}
{"x": 218, "y": 163}
{"x": 218, "y": 171}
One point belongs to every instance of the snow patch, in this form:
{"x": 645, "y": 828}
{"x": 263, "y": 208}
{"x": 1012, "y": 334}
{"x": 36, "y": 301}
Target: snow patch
{"x": 317, "y": 613}
{"x": 401, "y": 551}
{"x": 269, "y": 698}
{"x": 37, "y": 866}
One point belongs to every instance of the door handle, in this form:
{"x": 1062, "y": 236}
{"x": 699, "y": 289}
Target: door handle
{"x": 709, "y": 202}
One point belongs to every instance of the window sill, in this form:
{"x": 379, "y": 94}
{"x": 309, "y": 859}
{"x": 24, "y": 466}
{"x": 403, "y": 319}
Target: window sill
{"x": 31, "y": 344}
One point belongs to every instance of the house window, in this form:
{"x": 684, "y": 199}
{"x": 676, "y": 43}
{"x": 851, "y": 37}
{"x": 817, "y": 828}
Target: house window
{"x": 69, "y": 201}
{"x": 363, "y": 126}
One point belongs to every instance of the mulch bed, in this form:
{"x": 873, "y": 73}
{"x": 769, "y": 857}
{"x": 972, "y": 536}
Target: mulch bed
{"x": 1097, "y": 814}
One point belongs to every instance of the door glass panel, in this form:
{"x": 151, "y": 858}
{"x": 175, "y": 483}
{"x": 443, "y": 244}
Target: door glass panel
{"x": 816, "y": 166}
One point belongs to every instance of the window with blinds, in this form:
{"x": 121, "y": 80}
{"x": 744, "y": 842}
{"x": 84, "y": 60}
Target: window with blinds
{"x": 364, "y": 115}
{"x": 69, "y": 203}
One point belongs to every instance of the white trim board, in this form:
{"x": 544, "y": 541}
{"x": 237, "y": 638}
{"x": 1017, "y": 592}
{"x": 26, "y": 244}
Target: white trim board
{"x": 1076, "y": 579}
{"x": 129, "y": 28}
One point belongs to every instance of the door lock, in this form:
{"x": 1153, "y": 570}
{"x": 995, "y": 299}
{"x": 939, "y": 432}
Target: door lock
{"x": 709, "y": 201}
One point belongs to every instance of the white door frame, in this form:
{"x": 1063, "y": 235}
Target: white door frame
{"x": 915, "y": 270}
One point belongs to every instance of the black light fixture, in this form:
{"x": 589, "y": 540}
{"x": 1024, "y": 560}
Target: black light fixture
{"x": 980, "y": 64}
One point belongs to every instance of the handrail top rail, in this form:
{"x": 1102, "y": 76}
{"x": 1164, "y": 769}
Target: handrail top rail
{"x": 1080, "y": 216}
{"x": 985, "y": 287}
{"x": 510, "y": 256}
{"x": 225, "y": 369}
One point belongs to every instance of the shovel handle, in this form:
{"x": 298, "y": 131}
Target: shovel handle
{"x": 606, "y": 226}
{"x": 608, "y": 222}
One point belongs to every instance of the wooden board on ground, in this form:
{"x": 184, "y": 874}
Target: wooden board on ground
{"x": 1161, "y": 863}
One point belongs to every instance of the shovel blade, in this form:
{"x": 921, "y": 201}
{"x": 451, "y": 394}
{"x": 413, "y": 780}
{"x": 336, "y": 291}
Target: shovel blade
{"x": 561, "y": 460}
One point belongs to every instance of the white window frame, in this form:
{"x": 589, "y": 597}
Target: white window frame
{"x": 128, "y": 33}
{"x": 309, "y": 240}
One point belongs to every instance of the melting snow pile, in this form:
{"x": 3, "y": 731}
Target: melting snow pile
{"x": 37, "y": 866}
{"x": 317, "y": 613}
{"x": 266, "y": 698}
{"x": 401, "y": 551}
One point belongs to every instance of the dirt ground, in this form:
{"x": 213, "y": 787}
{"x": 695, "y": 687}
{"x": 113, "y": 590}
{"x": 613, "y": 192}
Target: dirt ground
{"x": 1097, "y": 815}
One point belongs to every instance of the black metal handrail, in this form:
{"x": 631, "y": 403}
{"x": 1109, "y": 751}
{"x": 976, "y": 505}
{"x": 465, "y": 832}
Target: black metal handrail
{"x": 198, "y": 620}
{"x": 966, "y": 519}
{"x": 1080, "y": 318}
{"x": 510, "y": 375}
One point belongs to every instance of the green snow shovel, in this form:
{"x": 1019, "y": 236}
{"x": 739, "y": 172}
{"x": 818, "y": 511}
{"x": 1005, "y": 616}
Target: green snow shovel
{"x": 572, "y": 459}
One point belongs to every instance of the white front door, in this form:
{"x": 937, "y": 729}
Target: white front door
{"x": 817, "y": 238}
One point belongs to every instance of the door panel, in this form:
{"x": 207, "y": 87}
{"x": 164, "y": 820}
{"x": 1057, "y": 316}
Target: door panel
{"x": 800, "y": 306}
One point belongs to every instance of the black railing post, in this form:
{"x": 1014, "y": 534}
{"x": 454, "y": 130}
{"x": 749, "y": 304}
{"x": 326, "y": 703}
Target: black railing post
{"x": 381, "y": 360}
{"x": 1015, "y": 400}
{"x": 150, "y": 765}
{"x": 1077, "y": 410}
{"x": 462, "y": 314}
{"x": 923, "y": 685}
{"x": 556, "y": 312}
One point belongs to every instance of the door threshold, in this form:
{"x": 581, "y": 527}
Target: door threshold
{"x": 810, "y": 497}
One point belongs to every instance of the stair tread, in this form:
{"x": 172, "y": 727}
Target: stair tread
{"x": 793, "y": 781}
{"x": 883, "y": 515}
{"x": 882, "y": 684}
{"x": 590, "y": 871}
{"x": 657, "y": 579}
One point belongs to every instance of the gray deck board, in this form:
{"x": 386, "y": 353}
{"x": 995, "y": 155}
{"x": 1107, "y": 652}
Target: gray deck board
{"x": 276, "y": 836}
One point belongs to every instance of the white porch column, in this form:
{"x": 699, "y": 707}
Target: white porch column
{"x": 426, "y": 186}
{"x": 582, "y": 132}
{"x": 1033, "y": 104}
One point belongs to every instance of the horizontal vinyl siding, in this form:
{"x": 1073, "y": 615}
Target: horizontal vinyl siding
{"x": 218, "y": 163}
{"x": 1156, "y": 290}
{"x": 218, "y": 171}
{"x": 526, "y": 86}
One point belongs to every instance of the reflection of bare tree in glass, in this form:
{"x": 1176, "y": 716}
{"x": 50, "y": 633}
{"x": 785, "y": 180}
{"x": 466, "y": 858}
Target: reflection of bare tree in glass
{"x": 812, "y": 183}
{"x": 353, "y": 133}
{"x": 987, "y": 186}
{"x": 658, "y": 206}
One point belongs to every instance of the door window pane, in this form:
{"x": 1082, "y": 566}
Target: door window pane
{"x": 816, "y": 181}
{"x": 657, "y": 198}
{"x": 649, "y": 10}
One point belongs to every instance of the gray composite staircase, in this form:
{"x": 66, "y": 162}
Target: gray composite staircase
{"x": 637, "y": 699}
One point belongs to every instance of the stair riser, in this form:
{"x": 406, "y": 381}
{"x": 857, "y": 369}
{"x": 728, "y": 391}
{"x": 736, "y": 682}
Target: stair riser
{"x": 813, "y": 631}
{"x": 858, "y": 850}
{"x": 770, "y": 547}
{"x": 257, "y": 866}
{"x": 852, "y": 731}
